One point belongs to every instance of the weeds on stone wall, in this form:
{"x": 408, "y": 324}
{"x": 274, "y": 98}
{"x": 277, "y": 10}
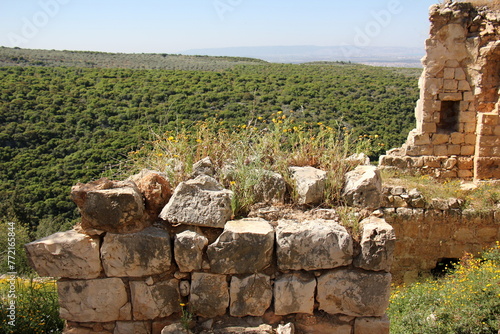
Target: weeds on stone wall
{"x": 242, "y": 154}
{"x": 484, "y": 198}
{"x": 467, "y": 300}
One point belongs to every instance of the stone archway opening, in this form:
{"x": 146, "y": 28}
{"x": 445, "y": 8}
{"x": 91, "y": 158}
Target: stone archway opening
{"x": 444, "y": 265}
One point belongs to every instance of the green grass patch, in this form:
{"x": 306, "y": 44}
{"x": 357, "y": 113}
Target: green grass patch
{"x": 36, "y": 306}
{"x": 467, "y": 300}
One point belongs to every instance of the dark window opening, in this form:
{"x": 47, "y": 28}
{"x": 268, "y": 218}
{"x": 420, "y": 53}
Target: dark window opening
{"x": 444, "y": 266}
{"x": 448, "y": 121}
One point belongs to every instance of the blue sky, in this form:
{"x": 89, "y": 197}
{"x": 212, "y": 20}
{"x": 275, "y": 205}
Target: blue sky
{"x": 172, "y": 26}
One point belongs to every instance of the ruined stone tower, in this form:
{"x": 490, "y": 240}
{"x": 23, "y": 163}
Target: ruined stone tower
{"x": 458, "y": 125}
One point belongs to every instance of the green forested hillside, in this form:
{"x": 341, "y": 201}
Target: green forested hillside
{"x": 61, "y": 125}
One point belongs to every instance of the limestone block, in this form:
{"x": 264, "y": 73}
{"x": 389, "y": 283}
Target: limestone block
{"x": 372, "y": 325}
{"x": 470, "y": 139}
{"x": 463, "y": 85}
{"x": 136, "y": 254}
{"x": 468, "y": 127}
{"x": 188, "y": 250}
{"x": 468, "y": 96}
{"x": 358, "y": 159}
{"x": 454, "y": 149}
{"x": 450, "y": 85}
{"x": 441, "y": 150}
{"x": 354, "y": 292}
{"x": 460, "y": 74}
{"x": 157, "y": 300}
{"x": 271, "y": 188}
{"x": 429, "y": 127}
{"x": 176, "y": 328}
{"x": 65, "y": 254}
{"x": 450, "y": 96}
{"x": 449, "y": 73}
{"x": 312, "y": 245}
{"x": 201, "y": 202}
{"x": 452, "y": 63}
{"x": 294, "y": 293}
{"x": 99, "y": 300}
{"x": 467, "y": 150}
{"x": 110, "y": 206}
{"x": 362, "y": 187}
{"x": 378, "y": 241}
{"x": 251, "y": 239}
{"x": 155, "y": 189}
{"x": 209, "y": 295}
{"x": 310, "y": 184}
{"x": 289, "y": 328}
{"x": 250, "y": 296}
{"x": 136, "y": 327}
{"x": 467, "y": 117}
{"x": 433, "y": 86}
{"x": 439, "y": 139}
{"x": 465, "y": 174}
{"x": 457, "y": 138}
{"x": 203, "y": 167}
{"x": 464, "y": 106}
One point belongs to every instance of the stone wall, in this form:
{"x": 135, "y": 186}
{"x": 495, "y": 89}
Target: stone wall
{"x": 458, "y": 126}
{"x": 123, "y": 271}
{"x": 432, "y": 230}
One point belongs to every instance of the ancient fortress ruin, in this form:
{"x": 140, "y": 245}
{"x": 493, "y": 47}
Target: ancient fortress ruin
{"x": 147, "y": 259}
{"x": 458, "y": 124}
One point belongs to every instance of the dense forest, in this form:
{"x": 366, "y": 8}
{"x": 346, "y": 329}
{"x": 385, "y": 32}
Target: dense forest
{"x": 62, "y": 125}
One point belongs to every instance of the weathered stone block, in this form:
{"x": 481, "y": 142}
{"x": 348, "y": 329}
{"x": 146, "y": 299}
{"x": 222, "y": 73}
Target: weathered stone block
{"x": 457, "y": 138}
{"x": 110, "y": 206}
{"x": 378, "y": 241}
{"x": 271, "y": 188}
{"x": 201, "y": 202}
{"x": 65, "y": 254}
{"x": 439, "y": 139}
{"x": 463, "y": 85}
{"x": 372, "y": 325}
{"x": 136, "y": 254}
{"x": 294, "y": 293}
{"x": 156, "y": 300}
{"x": 454, "y": 149}
{"x": 250, "y": 296}
{"x": 129, "y": 327}
{"x": 203, "y": 167}
{"x": 468, "y": 96}
{"x": 449, "y": 73}
{"x": 441, "y": 150}
{"x": 188, "y": 250}
{"x": 310, "y": 184}
{"x": 251, "y": 239}
{"x": 363, "y": 187}
{"x": 467, "y": 150}
{"x": 450, "y": 96}
{"x": 450, "y": 85}
{"x": 155, "y": 189}
{"x": 354, "y": 292}
{"x": 209, "y": 296}
{"x": 99, "y": 300}
{"x": 429, "y": 127}
{"x": 312, "y": 245}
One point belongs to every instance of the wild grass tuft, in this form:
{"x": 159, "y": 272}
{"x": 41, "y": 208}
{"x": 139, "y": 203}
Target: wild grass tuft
{"x": 467, "y": 300}
{"x": 37, "y": 307}
{"x": 243, "y": 153}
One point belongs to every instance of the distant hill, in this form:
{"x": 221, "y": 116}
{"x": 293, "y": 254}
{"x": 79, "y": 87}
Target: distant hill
{"x": 89, "y": 59}
{"x": 378, "y": 56}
